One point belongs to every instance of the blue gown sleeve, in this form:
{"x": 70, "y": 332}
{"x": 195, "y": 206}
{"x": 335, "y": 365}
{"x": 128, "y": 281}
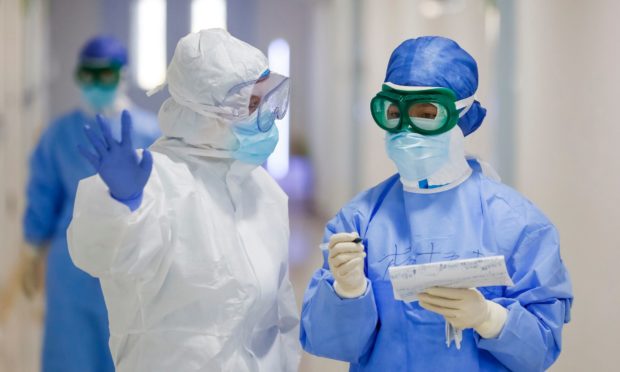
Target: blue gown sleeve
{"x": 332, "y": 327}
{"x": 539, "y": 304}
{"x": 44, "y": 192}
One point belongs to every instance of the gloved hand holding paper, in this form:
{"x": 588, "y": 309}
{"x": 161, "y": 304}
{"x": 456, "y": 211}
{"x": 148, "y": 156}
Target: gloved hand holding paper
{"x": 410, "y": 280}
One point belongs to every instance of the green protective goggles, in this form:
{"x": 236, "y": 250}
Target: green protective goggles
{"x": 427, "y": 111}
{"x": 101, "y": 76}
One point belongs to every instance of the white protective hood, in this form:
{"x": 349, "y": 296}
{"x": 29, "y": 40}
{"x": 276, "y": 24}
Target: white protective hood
{"x": 205, "y": 67}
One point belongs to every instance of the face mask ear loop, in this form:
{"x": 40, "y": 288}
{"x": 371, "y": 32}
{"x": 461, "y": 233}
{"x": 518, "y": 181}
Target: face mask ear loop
{"x": 465, "y": 104}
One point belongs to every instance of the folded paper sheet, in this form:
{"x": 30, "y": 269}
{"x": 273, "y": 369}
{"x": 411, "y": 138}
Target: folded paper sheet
{"x": 410, "y": 280}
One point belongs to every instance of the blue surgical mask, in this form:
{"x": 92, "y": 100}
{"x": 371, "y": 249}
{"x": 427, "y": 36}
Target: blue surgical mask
{"x": 99, "y": 98}
{"x": 417, "y": 156}
{"x": 254, "y": 146}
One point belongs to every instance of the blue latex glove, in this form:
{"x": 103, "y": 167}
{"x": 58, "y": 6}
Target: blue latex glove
{"x": 117, "y": 163}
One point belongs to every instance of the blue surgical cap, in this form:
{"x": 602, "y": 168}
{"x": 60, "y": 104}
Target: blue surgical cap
{"x": 103, "y": 51}
{"x": 436, "y": 61}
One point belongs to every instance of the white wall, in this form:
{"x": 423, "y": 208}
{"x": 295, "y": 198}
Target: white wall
{"x": 567, "y": 157}
{"x": 71, "y": 24}
{"x": 22, "y": 107}
{"x": 331, "y": 98}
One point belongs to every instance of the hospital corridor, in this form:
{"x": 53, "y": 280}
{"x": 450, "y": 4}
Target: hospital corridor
{"x": 309, "y": 185}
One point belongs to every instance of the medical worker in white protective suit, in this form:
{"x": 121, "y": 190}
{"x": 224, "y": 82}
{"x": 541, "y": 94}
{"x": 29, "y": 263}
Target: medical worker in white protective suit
{"x": 190, "y": 239}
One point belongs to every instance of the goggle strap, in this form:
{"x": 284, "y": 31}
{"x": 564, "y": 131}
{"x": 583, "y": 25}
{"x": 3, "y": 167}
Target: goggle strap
{"x": 464, "y": 105}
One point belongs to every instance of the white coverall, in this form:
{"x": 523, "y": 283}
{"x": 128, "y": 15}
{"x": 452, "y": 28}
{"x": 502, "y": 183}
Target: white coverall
{"x": 195, "y": 279}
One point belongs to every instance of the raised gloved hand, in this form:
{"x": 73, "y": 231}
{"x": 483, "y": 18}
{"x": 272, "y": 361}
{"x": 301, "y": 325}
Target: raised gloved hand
{"x": 346, "y": 262}
{"x": 117, "y": 162}
{"x": 466, "y": 308}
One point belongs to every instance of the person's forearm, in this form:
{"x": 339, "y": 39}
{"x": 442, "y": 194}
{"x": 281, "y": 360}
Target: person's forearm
{"x": 102, "y": 228}
{"x": 337, "y": 328}
{"x": 530, "y": 334}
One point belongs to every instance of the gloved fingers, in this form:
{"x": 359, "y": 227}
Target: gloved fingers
{"x": 449, "y": 293}
{"x": 448, "y": 313}
{"x": 147, "y": 161}
{"x": 342, "y": 238}
{"x": 440, "y": 301}
{"x": 354, "y": 278}
{"x": 343, "y": 258}
{"x": 94, "y": 160}
{"x": 348, "y": 247}
{"x": 126, "y": 126}
{"x": 97, "y": 143}
{"x": 108, "y": 140}
{"x": 351, "y": 266}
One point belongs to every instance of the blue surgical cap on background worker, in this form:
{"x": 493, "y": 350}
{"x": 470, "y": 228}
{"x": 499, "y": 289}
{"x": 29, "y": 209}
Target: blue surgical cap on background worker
{"x": 439, "y": 207}
{"x": 100, "y": 66}
{"x": 104, "y": 50}
{"x": 191, "y": 240}
{"x": 76, "y": 324}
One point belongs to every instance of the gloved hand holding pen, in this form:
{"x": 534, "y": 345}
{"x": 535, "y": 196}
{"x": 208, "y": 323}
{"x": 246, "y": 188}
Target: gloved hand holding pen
{"x": 346, "y": 262}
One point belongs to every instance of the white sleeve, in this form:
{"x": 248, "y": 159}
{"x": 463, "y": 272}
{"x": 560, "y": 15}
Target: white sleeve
{"x": 288, "y": 322}
{"x": 105, "y": 237}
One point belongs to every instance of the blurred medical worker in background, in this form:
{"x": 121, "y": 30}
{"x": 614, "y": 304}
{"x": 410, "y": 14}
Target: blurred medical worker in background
{"x": 76, "y": 323}
{"x": 440, "y": 206}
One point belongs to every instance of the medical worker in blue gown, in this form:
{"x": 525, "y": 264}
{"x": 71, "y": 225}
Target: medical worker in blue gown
{"x": 76, "y": 325}
{"x": 440, "y": 206}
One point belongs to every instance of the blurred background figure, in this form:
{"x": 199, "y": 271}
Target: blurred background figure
{"x": 76, "y": 324}
{"x": 548, "y": 79}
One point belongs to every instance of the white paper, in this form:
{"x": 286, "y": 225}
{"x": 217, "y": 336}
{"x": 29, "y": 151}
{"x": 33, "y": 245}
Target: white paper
{"x": 410, "y": 280}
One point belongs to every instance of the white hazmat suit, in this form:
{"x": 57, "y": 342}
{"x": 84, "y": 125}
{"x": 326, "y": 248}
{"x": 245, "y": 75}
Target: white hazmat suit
{"x": 196, "y": 278}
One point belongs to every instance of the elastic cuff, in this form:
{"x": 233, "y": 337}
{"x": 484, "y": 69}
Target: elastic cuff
{"x": 351, "y": 293}
{"x": 133, "y": 203}
{"x": 492, "y": 327}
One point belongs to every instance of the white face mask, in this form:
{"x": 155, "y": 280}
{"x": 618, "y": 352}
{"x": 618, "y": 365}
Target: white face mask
{"x": 440, "y": 160}
{"x": 417, "y": 156}
{"x": 255, "y": 146}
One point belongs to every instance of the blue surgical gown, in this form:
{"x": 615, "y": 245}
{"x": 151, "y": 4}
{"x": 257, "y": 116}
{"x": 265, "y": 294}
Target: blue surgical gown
{"x": 480, "y": 217}
{"x": 76, "y": 324}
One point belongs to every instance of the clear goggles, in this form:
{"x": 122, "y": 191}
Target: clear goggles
{"x": 267, "y": 100}
{"x": 423, "y": 110}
